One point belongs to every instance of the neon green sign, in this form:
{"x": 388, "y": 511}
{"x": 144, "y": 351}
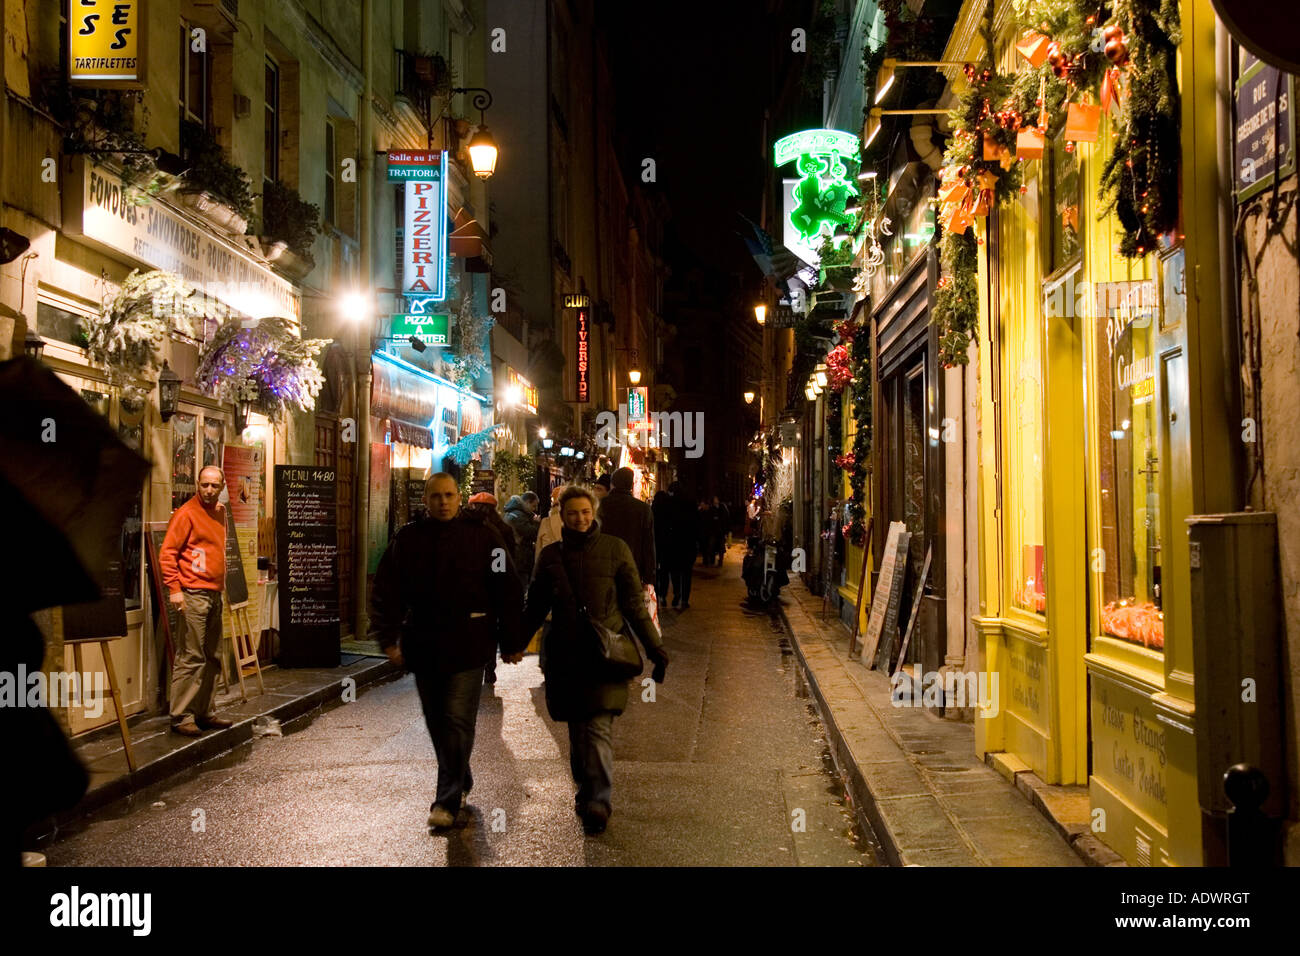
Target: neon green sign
{"x": 826, "y": 160}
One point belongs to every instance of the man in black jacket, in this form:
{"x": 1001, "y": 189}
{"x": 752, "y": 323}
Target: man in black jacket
{"x": 445, "y": 595}
{"x": 624, "y": 516}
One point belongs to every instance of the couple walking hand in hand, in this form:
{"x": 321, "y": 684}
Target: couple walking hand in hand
{"x": 446, "y": 595}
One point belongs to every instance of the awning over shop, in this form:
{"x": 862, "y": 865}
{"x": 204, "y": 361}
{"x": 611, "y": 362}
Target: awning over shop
{"x": 468, "y": 239}
{"x": 409, "y": 433}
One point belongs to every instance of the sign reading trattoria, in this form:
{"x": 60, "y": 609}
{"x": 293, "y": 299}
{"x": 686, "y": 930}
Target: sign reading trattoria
{"x": 97, "y": 207}
{"x": 407, "y": 165}
{"x": 104, "y": 43}
{"x": 424, "y": 236}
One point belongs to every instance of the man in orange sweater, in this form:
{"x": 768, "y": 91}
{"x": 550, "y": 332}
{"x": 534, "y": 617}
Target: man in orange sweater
{"x": 193, "y": 559}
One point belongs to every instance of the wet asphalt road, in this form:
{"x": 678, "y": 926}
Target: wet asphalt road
{"x": 718, "y": 770}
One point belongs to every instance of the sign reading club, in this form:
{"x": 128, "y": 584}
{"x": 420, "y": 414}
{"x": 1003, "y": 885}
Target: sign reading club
{"x": 424, "y": 234}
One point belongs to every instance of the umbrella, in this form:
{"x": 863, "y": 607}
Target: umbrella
{"x": 66, "y": 485}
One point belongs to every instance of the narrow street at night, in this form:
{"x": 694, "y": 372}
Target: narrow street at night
{"x": 709, "y": 774}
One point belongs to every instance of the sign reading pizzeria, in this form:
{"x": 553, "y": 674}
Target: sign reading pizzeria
{"x": 424, "y": 234}
{"x": 104, "y": 43}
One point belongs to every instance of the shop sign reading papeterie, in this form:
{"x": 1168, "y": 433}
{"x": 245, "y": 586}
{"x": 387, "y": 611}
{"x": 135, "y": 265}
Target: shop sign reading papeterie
{"x": 98, "y": 207}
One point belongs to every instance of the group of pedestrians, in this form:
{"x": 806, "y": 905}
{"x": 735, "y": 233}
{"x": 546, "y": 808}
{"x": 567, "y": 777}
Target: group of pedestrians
{"x": 685, "y": 530}
{"x": 462, "y": 584}
{"x": 450, "y": 591}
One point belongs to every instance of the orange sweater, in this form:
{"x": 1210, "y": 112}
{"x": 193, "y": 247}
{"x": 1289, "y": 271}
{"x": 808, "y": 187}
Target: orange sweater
{"x": 193, "y": 554}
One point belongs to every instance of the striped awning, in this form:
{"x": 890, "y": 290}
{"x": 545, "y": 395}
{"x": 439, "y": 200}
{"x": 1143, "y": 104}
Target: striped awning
{"x": 409, "y": 433}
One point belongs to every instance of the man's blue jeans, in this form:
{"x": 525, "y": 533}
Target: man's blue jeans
{"x": 450, "y": 703}
{"x": 591, "y": 758}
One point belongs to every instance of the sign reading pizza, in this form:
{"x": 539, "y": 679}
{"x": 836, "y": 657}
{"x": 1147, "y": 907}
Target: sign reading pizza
{"x": 104, "y": 43}
{"x": 424, "y": 236}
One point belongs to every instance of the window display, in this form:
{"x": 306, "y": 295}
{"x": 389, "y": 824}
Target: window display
{"x": 1129, "y": 565}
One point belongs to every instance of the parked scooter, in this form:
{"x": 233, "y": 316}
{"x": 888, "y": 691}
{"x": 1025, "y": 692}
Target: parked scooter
{"x": 764, "y": 570}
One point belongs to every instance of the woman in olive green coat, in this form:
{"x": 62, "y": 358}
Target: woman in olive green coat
{"x": 586, "y": 568}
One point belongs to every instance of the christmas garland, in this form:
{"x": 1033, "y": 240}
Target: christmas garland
{"x": 263, "y": 362}
{"x": 1085, "y": 57}
{"x": 858, "y": 461}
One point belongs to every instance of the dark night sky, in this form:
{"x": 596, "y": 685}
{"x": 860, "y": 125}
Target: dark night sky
{"x": 692, "y": 81}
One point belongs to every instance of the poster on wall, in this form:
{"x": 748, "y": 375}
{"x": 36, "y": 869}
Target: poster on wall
{"x": 306, "y": 505}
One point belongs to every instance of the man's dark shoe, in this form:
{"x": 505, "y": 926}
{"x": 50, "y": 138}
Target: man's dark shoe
{"x": 595, "y": 819}
{"x": 187, "y": 728}
{"x": 215, "y": 723}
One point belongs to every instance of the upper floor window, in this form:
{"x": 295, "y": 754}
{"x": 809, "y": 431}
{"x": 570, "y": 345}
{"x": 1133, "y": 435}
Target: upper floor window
{"x": 329, "y": 212}
{"x": 271, "y": 149}
{"x": 195, "y": 77}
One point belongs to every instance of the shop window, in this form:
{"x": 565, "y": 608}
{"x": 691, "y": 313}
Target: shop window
{"x": 271, "y": 128}
{"x": 1064, "y": 225}
{"x": 914, "y": 432}
{"x": 197, "y": 441}
{"x": 130, "y": 428}
{"x": 1129, "y": 462}
{"x": 1024, "y": 409}
{"x": 59, "y": 324}
{"x": 328, "y": 211}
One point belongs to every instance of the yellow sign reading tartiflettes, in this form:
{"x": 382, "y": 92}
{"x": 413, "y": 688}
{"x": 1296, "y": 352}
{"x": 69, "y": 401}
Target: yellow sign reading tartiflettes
{"x": 104, "y": 42}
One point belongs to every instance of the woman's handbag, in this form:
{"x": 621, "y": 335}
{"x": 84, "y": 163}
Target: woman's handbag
{"x": 618, "y": 657}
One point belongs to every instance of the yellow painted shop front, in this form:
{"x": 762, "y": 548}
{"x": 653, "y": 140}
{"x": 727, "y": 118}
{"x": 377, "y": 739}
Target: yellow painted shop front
{"x": 1093, "y": 448}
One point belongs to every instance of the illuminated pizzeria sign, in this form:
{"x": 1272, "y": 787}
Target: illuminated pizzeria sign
{"x": 104, "y": 43}
{"x": 827, "y": 161}
{"x": 424, "y": 236}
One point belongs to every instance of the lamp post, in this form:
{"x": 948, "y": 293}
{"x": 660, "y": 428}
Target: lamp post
{"x": 482, "y": 147}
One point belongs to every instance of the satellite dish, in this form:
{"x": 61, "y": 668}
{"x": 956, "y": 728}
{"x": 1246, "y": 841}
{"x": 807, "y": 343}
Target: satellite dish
{"x": 1265, "y": 29}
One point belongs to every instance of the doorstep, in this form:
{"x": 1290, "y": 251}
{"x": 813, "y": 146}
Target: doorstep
{"x": 915, "y": 776}
{"x": 300, "y": 694}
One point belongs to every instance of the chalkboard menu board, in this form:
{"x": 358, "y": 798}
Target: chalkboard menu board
{"x": 882, "y": 623}
{"x": 414, "y": 499}
{"x": 236, "y": 583}
{"x": 106, "y": 617}
{"x": 306, "y": 545}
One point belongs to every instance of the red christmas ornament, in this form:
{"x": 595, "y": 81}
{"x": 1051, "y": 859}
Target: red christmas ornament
{"x": 1116, "y": 51}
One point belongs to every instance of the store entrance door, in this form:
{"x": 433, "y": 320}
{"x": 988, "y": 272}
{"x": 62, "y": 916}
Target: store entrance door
{"x": 333, "y": 452}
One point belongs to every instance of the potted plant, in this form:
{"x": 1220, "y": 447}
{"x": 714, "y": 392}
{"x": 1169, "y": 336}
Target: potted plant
{"x": 837, "y": 271}
{"x": 215, "y": 188}
{"x": 289, "y": 229}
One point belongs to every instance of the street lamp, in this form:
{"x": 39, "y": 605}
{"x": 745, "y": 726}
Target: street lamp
{"x": 634, "y": 376}
{"x": 169, "y": 392}
{"x": 819, "y": 373}
{"x": 482, "y": 147}
{"x": 760, "y": 313}
{"x": 749, "y": 398}
{"x": 541, "y": 433}
{"x": 33, "y": 344}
